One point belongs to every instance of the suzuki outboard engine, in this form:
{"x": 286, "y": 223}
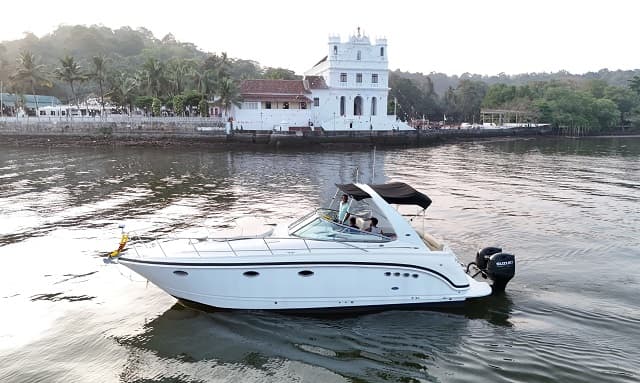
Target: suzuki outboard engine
{"x": 498, "y": 266}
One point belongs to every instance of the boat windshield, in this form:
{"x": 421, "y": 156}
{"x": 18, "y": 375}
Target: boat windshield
{"x": 324, "y": 228}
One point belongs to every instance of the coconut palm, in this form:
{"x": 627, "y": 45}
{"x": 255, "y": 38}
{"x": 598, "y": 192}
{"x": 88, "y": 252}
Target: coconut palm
{"x": 178, "y": 71}
{"x": 30, "y": 72}
{"x": 229, "y": 94}
{"x": 99, "y": 75}
{"x": 123, "y": 90}
{"x": 70, "y": 71}
{"x": 153, "y": 74}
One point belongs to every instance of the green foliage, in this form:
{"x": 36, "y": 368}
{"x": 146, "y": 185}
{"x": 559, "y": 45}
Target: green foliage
{"x": 634, "y": 84}
{"x": 280, "y": 74}
{"x": 70, "y": 71}
{"x": 155, "y": 107}
{"x": 469, "y": 96}
{"x": 203, "y": 108}
{"x": 29, "y": 72}
{"x": 192, "y": 98}
{"x": 416, "y": 99}
{"x": 178, "y": 105}
{"x": 229, "y": 94}
{"x": 144, "y": 102}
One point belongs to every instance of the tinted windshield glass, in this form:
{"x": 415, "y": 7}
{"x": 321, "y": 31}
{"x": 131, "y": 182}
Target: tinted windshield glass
{"x": 326, "y": 230}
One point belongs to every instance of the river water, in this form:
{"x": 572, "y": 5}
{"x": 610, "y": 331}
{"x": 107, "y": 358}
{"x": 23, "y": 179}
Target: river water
{"x": 568, "y": 209}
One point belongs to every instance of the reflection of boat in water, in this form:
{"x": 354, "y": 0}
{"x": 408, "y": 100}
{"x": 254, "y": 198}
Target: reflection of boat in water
{"x": 318, "y": 263}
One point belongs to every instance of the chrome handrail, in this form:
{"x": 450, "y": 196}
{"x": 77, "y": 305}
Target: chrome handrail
{"x": 229, "y": 241}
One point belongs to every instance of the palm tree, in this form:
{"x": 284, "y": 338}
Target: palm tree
{"x": 99, "y": 75}
{"x": 123, "y": 90}
{"x": 70, "y": 72}
{"x": 229, "y": 94}
{"x": 29, "y": 71}
{"x": 153, "y": 72}
{"x": 178, "y": 70}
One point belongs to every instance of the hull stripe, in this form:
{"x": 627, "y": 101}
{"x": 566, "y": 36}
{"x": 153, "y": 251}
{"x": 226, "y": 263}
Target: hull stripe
{"x": 324, "y": 263}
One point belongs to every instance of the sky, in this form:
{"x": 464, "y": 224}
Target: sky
{"x": 450, "y": 36}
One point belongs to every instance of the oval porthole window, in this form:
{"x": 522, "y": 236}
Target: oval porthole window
{"x": 406, "y": 275}
{"x": 388, "y": 274}
{"x": 251, "y": 273}
{"x": 394, "y": 288}
{"x": 305, "y": 273}
{"x": 396, "y": 274}
{"x": 415, "y": 275}
{"x": 181, "y": 273}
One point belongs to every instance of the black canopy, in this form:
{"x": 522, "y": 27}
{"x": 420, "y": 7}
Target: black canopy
{"x": 395, "y": 192}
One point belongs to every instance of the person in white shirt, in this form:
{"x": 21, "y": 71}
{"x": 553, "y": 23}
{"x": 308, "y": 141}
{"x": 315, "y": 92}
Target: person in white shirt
{"x": 343, "y": 213}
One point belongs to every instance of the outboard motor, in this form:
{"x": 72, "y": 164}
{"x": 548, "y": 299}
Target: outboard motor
{"x": 498, "y": 266}
{"x": 482, "y": 257}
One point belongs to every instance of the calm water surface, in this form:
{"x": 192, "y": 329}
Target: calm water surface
{"x": 568, "y": 209}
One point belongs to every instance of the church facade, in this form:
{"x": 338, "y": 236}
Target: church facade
{"x": 346, "y": 90}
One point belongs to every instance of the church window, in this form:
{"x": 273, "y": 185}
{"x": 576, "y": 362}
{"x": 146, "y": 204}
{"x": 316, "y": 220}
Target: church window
{"x": 381, "y": 51}
{"x": 335, "y": 49}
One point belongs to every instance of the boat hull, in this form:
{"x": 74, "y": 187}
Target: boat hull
{"x": 311, "y": 285}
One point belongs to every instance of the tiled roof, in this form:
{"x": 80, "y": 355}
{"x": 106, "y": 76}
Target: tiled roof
{"x": 315, "y": 82}
{"x": 275, "y": 97}
{"x": 272, "y": 87}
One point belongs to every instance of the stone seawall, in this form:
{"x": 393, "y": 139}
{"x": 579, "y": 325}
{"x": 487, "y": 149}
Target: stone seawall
{"x": 159, "y": 132}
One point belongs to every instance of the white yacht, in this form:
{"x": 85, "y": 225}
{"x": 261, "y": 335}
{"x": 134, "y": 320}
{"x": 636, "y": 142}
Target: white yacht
{"x": 319, "y": 264}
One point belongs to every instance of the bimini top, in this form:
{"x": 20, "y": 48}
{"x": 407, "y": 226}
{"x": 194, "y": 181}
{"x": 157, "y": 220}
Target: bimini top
{"x": 395, "y": 192}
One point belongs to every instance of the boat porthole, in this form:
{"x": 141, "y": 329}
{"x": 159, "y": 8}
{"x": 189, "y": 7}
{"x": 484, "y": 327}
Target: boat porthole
{"x": 394, "y": 288}
{"x": 396, "y": 274}
{"x": 251, "y": 273}
{"x": 181, "y": 273}
{"x": 305, "y": 273}
{"x": 388, "y": 274}
{"x": 406, "y": 275}
{"x": 415, "y": 275}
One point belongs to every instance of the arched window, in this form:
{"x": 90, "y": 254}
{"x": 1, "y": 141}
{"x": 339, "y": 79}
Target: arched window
{"x": 342, "y": 106}
{"x": 359, "y": 55}
{"x": 374, "y": 106}
{"x": 357, "y": 106}
{"x": 335, "y": 49}
{"x": 381, "y": 51}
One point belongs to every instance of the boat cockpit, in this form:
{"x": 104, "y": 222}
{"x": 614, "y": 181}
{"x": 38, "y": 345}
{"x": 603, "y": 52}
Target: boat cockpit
{"x": 323, "y": 225}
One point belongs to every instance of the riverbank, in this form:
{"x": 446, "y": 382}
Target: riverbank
{"x": 153, "y": 132}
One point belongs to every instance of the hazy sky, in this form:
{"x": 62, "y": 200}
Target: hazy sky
{"x": 450, "y": 36}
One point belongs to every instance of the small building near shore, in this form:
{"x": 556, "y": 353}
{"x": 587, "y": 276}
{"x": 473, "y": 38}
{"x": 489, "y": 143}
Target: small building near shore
{"x": 13, "y": 104}
{"x": 346, "y": 90}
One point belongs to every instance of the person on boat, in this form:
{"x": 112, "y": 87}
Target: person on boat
{"x": 373, "y": 226}
{"x": 343, "y": 213}
{"x": 353, "y": 224}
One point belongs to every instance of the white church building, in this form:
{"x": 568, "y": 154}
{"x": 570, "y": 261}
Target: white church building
{"x": 347, "y": 90}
